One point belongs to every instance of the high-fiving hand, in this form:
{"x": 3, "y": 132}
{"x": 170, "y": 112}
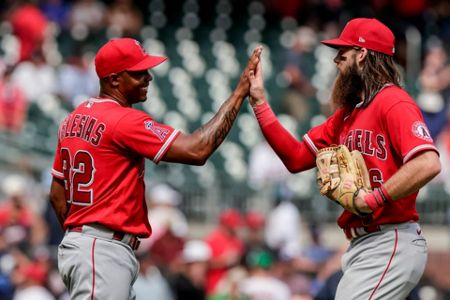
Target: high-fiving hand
{"x": 257, "y": 91}
{"x": 244, "y": 80}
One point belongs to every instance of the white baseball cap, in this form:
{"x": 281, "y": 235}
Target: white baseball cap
{"x": 196, "y": 251}
{"x": 164, "y": 194}
{"x": 14, "y": 185}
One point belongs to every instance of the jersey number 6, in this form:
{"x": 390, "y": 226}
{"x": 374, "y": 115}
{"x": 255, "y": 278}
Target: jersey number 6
{"x": 78, "y": 176}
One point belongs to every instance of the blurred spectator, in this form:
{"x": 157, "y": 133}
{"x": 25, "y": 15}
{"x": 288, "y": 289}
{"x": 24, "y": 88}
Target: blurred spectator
{"x": 435, "y": 87}
{"x": 287, "y": 8}
{"x": 443, "y": 144}
{"x": 327, "y": 275}
{"x": 169, "y": 225}
{"x": 35, "y": 77}
{"x": 56, "y": 11}
{"x": 6, "y": 286}
{"x": 16, "y": 219}
{"x": 254, "y": 224}
{"x": 292, "y": 272}
{"x": 124, "y": 17}
{"x": 254, "y": 238}
{"x": 189, "y": 283}
{"x": 283, "y": 225}
{"x": 299, "y": 70}
{"x": 228, "y": 287}
{"x": 261, "y": 284}
{"x": 316, "y": 256}
{"x": 165, "y": 250}
{"x": 265, "y": 168}
{"x": 164, "y": 212}
{"x": 87, "y": 16}
{"x": 226, "y": 248}
{"x": 13, "y": 105}
{"x": 30, "y": 279}
{"x": 328, "y": 289}
{"x": 29, "y": 25}
{"x": 76, "y": 77}
{"x": 150, "y": 280}
{"x": 316, "y": 251}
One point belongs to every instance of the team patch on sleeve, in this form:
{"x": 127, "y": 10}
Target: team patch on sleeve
{"x": 420, "y": 130}
{"x": 160, "y": 132}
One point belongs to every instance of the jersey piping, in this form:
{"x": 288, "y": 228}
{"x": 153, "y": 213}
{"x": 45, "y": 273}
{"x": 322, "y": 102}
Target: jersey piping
{"x": 310, "y": 143}
{"x": 418, "y": 149}
{"x": 162, "y": 150}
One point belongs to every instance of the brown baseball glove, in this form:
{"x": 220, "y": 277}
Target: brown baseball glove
{"x": 341, "y": 174}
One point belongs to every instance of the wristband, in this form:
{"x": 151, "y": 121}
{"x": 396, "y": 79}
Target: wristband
{"x": 385, "y": 195}
{"x": 374, "y": 200}
{"x": 264, "y": 114}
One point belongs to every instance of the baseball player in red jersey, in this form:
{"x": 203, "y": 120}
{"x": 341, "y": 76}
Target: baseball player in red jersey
{"x": 98, "y": 173}
{"x": 387, "y": 252}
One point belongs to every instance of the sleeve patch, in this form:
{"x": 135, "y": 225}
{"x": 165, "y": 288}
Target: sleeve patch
{"x": 420, "y": 130}
{"x": 160, "y": 132}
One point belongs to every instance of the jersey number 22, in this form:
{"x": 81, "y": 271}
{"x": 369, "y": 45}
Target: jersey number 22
{"x": 78, "y": 172}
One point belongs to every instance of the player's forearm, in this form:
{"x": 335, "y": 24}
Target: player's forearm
{"x": 196, "y": 148}
{"x": 413, "y": 175}
{"x": 293, "y": 153}
{"x": 213, "y": 133}
{"x": 60, "y": 211}
{"x": 58, "y": 201}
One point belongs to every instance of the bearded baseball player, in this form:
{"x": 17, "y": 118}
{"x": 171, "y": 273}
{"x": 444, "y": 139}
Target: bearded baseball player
{"x": 378, "y": 119}
{"x": 98, "y": 187}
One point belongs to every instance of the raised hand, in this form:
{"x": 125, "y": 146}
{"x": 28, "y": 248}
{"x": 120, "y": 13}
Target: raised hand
{"x": 253, "y": 61}
{"x": 257, "y": 91}
{"x": 197, "y": 147}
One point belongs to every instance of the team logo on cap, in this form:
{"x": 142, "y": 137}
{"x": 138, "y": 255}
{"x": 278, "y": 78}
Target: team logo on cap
{"x": 420, "y": 130}
{"x": 141, "y": 47}
{"x": 361, "y": 39}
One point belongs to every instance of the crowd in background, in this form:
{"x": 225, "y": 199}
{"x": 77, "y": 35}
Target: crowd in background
{"x": 248, "y": 254}
{"x": 245, "y": 255}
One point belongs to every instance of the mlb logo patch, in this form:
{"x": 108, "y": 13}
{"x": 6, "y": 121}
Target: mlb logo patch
{"x": 420, "y": 130}
{"x": 159, "y": 131}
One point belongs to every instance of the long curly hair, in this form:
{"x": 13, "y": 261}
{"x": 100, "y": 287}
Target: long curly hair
{"x": 378, "y": 70}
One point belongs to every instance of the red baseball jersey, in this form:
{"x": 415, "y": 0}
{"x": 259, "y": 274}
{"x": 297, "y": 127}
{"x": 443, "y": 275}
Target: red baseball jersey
{"x": 100, "y": 156}
{"x": 388, "y": 132}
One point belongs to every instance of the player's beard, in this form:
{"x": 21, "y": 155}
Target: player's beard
{"x": 347, "y": 88}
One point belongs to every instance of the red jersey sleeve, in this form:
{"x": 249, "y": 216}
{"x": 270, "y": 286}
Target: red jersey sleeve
{"x": 140, "y": 133}
{"x": 293, "y": 153}
{"x": 407, "y": 131}
{"x": 326, "y": 134}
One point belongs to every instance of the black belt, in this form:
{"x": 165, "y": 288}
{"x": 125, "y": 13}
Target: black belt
{"x": 133, "y": 242}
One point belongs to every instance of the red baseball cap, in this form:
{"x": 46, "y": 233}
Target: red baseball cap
{"x": 365, "y": 33}
{"x": 254, "y": 220}
{"x": 124, "y": 54}
{"x": 231, "y": 218}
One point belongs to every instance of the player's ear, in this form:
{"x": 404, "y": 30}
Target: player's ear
{"x": 362, "y": 54}
{"x": 113, "y": 79}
